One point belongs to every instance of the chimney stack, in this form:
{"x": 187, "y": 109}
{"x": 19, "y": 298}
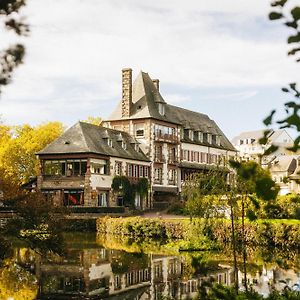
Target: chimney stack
{"x": 156, "y": 83}
{"x": 126, "y": 92}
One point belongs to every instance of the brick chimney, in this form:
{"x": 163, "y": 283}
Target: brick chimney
{"x": 156, "y": 83}
{"x": 126, "y": 92}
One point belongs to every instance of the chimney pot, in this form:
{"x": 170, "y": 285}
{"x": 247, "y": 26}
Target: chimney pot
{"x": 156, "y": 83}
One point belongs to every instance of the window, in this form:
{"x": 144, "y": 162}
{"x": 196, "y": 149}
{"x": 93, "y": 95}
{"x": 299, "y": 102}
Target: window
{"x": 124, "y": 145}
{"x": 205, "y": 137}
{"x": 214, "y": 139}
{"x": 73, "y": 198}
{"x": 141, "y": 171}
{"x": 135, "y": 170}
{"x": 158, "y": 175}
{"x": 191, "y": 135}
{"x": 186, "y": 133}
{"x": 161, "y": 109}
{"x": 102, "y": 199}
{"x": 75, "y": 167}
{"x": 99, "y": 166}
{"x": 185, "y": 154}
{"x": 158, "y": 152}
{"x": 118, "y": 168}
{"x": 146, "y": 172}
{"x": 109, "y": 142}
{"x": 172, "y": 176}
{"x": 172, "y": 154}
{"x": 139, "y": 130}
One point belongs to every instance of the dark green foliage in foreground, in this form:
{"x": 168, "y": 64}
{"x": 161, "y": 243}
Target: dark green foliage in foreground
{"x": 220, "y": 292}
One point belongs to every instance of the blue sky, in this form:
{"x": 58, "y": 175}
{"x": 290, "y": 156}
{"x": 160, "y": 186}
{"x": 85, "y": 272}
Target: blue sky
{"x": 222, "y": 58}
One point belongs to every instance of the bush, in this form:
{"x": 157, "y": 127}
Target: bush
{"x": 177, "y": 208}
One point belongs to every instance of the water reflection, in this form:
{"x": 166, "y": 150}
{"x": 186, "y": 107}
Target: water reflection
{"x": 89, "y": 271}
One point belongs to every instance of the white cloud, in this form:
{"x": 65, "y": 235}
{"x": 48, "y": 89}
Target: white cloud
{"x": 240, "y": 96}
{"x": 77, "y": 49}
{"x": 176, "y": 98}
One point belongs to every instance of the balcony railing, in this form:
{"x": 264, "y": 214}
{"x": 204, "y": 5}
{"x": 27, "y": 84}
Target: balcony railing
{"x": 157, "y": 181}
{"x": 165, "y": 137}
{"x": 159, "y": 158}
{"x": 171, "y": 182}
{"x": 172, "y": 161}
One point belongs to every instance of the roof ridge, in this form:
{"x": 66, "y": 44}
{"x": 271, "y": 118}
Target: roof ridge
{"x": 188, "y": 110}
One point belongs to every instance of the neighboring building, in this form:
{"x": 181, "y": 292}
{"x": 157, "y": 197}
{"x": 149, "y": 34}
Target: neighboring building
{"x": 285, "y": 171}
{"x": 177, "y": 141}
{"x": 247, "y": 143}
{"x": 144, "y": 137}
{"x": 78, "y": 167}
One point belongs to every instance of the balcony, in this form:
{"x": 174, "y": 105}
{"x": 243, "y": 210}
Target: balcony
{"x": 171, "y": 182}
{"x": 157, "y": 181}
{"x": 172, "y": 161}
{"x": 164, "y": 137}
{"x": 159, "y": 159}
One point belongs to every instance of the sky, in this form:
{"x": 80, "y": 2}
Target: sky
{"x": 221, "y": 58}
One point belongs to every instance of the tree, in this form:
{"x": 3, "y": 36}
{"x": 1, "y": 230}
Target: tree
{"x": 290, "y": 18}
{"x": 251, "y": 179}
{"x": 18, "y": 148}
{"x": 93, "y": 120}
{"x": 13, "y": 56}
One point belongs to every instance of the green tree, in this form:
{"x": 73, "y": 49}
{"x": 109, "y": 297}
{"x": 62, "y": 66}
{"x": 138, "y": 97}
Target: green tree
{"x": 291, "y": 18}
{"x": 13, "y": 56}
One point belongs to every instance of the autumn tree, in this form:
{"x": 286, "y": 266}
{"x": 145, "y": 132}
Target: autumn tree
{"x": 18, "y": 148}
{"x": 93, "y": 120}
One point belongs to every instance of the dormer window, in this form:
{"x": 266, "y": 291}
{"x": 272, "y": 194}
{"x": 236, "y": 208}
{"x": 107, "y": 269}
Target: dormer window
{"x": 161, "y": 109}
{"x": 136, "y": 147}
{"x": 205, "y": 137}
{"x": 191, "y": 135}
{"x": 124, "y": 145}
{"x": 109, "y": 142}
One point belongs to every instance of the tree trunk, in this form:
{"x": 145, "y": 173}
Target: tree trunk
{"x": 236, "y": 276}
{"x": 244, "y": 244}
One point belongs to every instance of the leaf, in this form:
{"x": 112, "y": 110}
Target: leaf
{"x": 295, "y": 12}
{"x": 293, "y": 24}
{"x": 275, "y": 15}
{"x": 293, "y": 51}
{"x": 271, "y": 150}
{"x": 294, "y": 38}
{"x": 268, "y": 120}
{"x": 279, "y": 3}
{"x": 285, "y": 90}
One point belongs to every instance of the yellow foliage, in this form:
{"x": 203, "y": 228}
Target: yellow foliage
{"x": 16, "y": 283}
{"x": 19, "y": 145}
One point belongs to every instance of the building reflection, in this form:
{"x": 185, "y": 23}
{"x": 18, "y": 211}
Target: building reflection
{"x": 100, "y": 273}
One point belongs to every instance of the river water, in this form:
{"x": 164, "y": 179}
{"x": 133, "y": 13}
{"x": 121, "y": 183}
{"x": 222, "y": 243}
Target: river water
{"x": 103, "y": 268}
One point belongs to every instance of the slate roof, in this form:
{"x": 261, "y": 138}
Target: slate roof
{"x": 284, "y": 163}
{"x": 145, "y": 98}
{"x": 87, "y": 138}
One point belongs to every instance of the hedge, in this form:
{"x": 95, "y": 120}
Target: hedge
{"x": 279, "y": 234}
{"x": 97, "y": 210}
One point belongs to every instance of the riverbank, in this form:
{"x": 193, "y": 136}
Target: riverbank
{"x": 200, "y": 234}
